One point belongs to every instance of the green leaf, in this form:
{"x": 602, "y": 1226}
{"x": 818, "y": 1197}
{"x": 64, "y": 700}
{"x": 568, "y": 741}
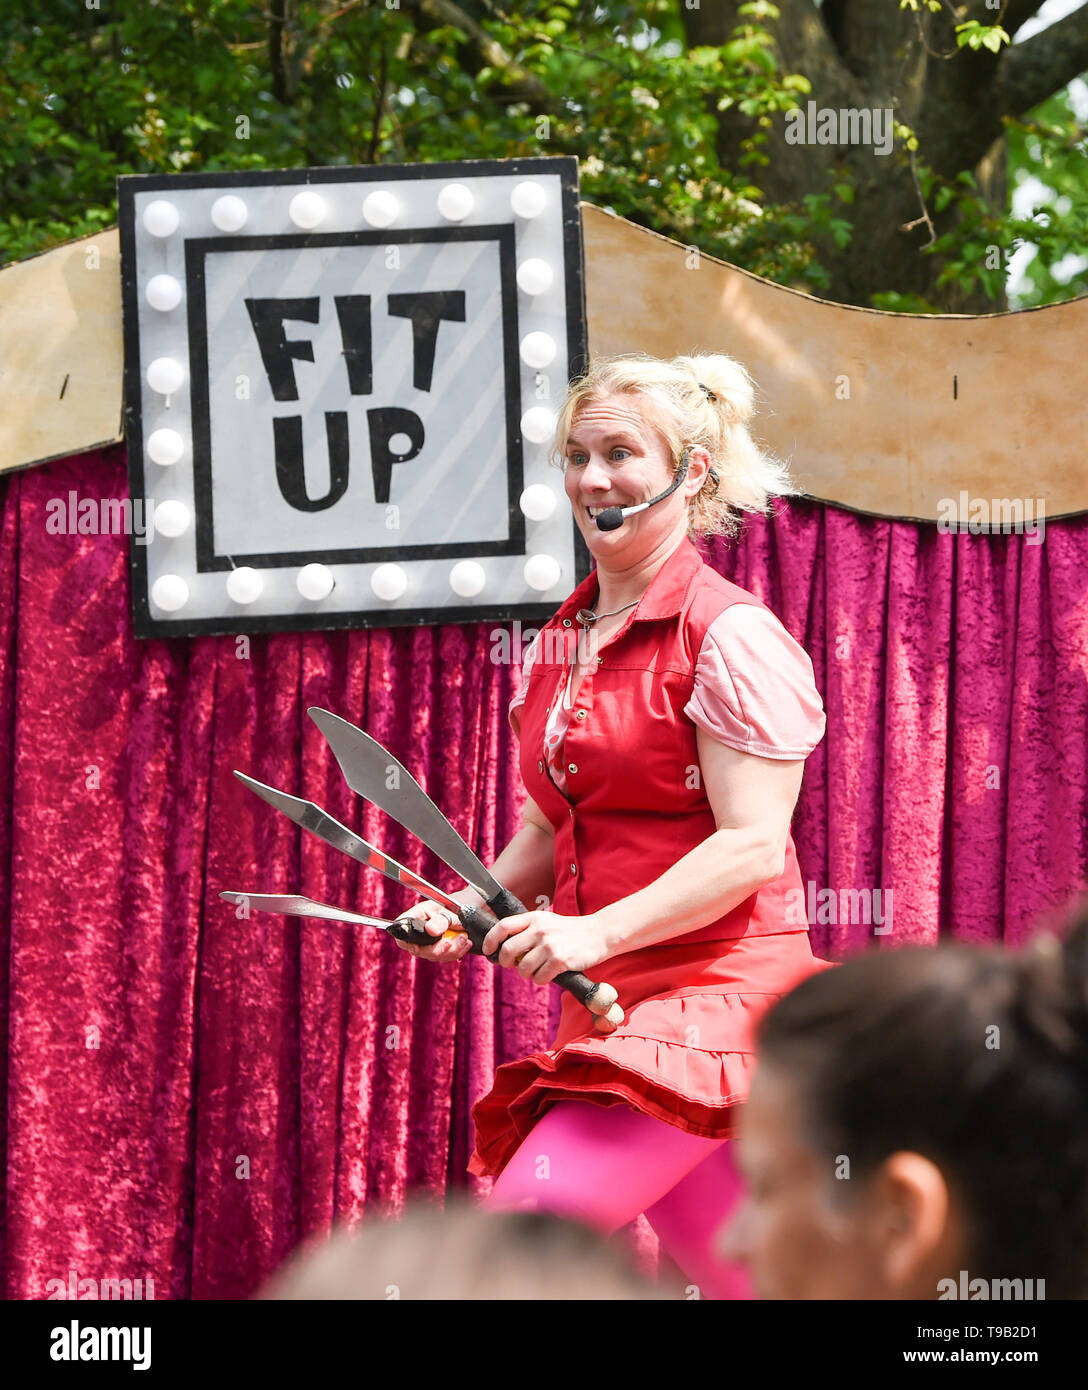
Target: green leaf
{"x": 841, "y": 231}
{"x": 976, "y": 35}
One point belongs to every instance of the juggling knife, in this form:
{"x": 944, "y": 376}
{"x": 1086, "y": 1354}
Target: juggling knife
{"x": 474, "y": 923}
{"x": 366, "y": 766}
{"x": 296, "y": 905}
{"x": 311, "y": 817}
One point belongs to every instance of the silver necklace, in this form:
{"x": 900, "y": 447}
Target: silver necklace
{"x": 587, "y": 617}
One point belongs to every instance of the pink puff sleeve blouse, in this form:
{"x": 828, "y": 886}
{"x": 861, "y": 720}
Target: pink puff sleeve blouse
{"x": 755, "y": 690}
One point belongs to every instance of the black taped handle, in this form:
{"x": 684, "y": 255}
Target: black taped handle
{"x": 504, "y": 904}
{"x": 409, "y": 929}
{"x": 585, "y": 990}
{"x": 477, "y": 924}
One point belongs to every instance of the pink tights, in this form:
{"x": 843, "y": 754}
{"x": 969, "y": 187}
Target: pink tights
{"x": 604, "y": 1165}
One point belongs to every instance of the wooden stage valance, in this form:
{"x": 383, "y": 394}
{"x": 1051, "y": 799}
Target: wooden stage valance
{"x": 883, "y": 413}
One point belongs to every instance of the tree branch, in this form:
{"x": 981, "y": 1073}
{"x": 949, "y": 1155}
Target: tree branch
{"x": 277, "y": 24}
{"x": 1031, "y": 71}
{"x": 925, "y": 217}
{"x": 379, "y": 106}
{"x": 481, "y": 50}
{"x": 1015, "y": 14}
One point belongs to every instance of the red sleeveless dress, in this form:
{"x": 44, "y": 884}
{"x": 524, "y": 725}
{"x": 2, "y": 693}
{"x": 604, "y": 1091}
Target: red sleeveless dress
{"x": 616, "y": 772}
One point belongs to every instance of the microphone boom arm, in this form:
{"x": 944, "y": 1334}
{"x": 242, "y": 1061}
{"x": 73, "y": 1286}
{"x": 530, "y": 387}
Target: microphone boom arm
{"x": 612, "y": 518}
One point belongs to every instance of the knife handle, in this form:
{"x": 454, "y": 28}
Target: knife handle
{"x": 409, "y": 929}
{"x": 599, "y": 999}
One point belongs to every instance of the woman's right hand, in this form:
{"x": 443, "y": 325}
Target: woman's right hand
{"x": 437, "y": 920}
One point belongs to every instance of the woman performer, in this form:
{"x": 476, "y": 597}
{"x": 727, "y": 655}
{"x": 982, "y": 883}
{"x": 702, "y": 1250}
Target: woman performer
{"x": 662, "y": 758}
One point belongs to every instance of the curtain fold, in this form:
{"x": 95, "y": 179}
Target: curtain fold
{"x": 187, "y": 1094}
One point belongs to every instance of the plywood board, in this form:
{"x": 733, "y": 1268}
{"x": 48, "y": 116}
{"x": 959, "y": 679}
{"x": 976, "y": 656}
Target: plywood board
{"x": 883, "y": 413}
{"x": 61, "y": 352}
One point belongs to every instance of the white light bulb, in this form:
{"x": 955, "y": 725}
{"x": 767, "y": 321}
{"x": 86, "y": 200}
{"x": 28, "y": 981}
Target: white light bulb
{"x": 229, "y": 213}
{"x": 165, "y": 447}
{"x": 244, "y": 585}
{"x": 542, "y": 572}
{"x": 163, "y": 292}
{"x": 171, "y": 518}
{"x": 169, "y": 592}
{"x": 528, "y": 199}
{"x": 538, "y": 349}
{"x": 535, "y": 276}
{"x": 538, "y": 424}
{"x": 165, "y": 375}
{"x": 455, "y": 202}
{"x": 161, "y": 217}
{"x": 380, "y": 208}
{"x": 315, "y": 581}
{"x": 467, "y": 578}
{"x": 538, "y": 502}
{"x": 389, "y": 582}
{"x": 307, "y": 209}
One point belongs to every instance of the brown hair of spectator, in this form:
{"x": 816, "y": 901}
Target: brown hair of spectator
{"x": 464, "y": 1252}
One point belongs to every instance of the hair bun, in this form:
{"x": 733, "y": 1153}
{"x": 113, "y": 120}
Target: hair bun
{"x": 1074, "y": 963}
{"x": 728, "y": 382}
{"x": 1052, "y": 991}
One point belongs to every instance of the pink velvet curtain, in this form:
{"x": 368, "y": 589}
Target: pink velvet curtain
{"x": 186, "y": 1095}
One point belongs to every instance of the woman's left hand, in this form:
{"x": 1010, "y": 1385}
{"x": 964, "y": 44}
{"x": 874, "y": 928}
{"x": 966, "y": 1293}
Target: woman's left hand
{"x": 547, "y": 944}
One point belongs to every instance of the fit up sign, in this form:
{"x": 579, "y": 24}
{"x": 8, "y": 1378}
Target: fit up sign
{"x": 340, "y": 393}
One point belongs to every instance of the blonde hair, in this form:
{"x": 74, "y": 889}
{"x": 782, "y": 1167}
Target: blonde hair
{"x": 743, "y": 477}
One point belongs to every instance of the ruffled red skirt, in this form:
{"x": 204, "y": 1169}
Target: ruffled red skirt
{"x": 685, "y": 1052}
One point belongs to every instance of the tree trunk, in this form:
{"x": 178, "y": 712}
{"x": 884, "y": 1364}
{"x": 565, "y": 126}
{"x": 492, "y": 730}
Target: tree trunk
{"x": 860, "y": 55}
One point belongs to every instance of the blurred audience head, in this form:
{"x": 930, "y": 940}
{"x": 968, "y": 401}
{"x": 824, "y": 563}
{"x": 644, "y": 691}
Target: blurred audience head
{"x": 465, "y": 1252}
{"x": 918, "y": 1128}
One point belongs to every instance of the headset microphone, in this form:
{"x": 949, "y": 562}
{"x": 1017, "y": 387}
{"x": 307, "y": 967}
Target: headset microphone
{"x": 612, "y": 518}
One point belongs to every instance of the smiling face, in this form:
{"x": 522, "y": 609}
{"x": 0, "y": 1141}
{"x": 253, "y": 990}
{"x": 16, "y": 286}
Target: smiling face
{"x": 616, "y": 457}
